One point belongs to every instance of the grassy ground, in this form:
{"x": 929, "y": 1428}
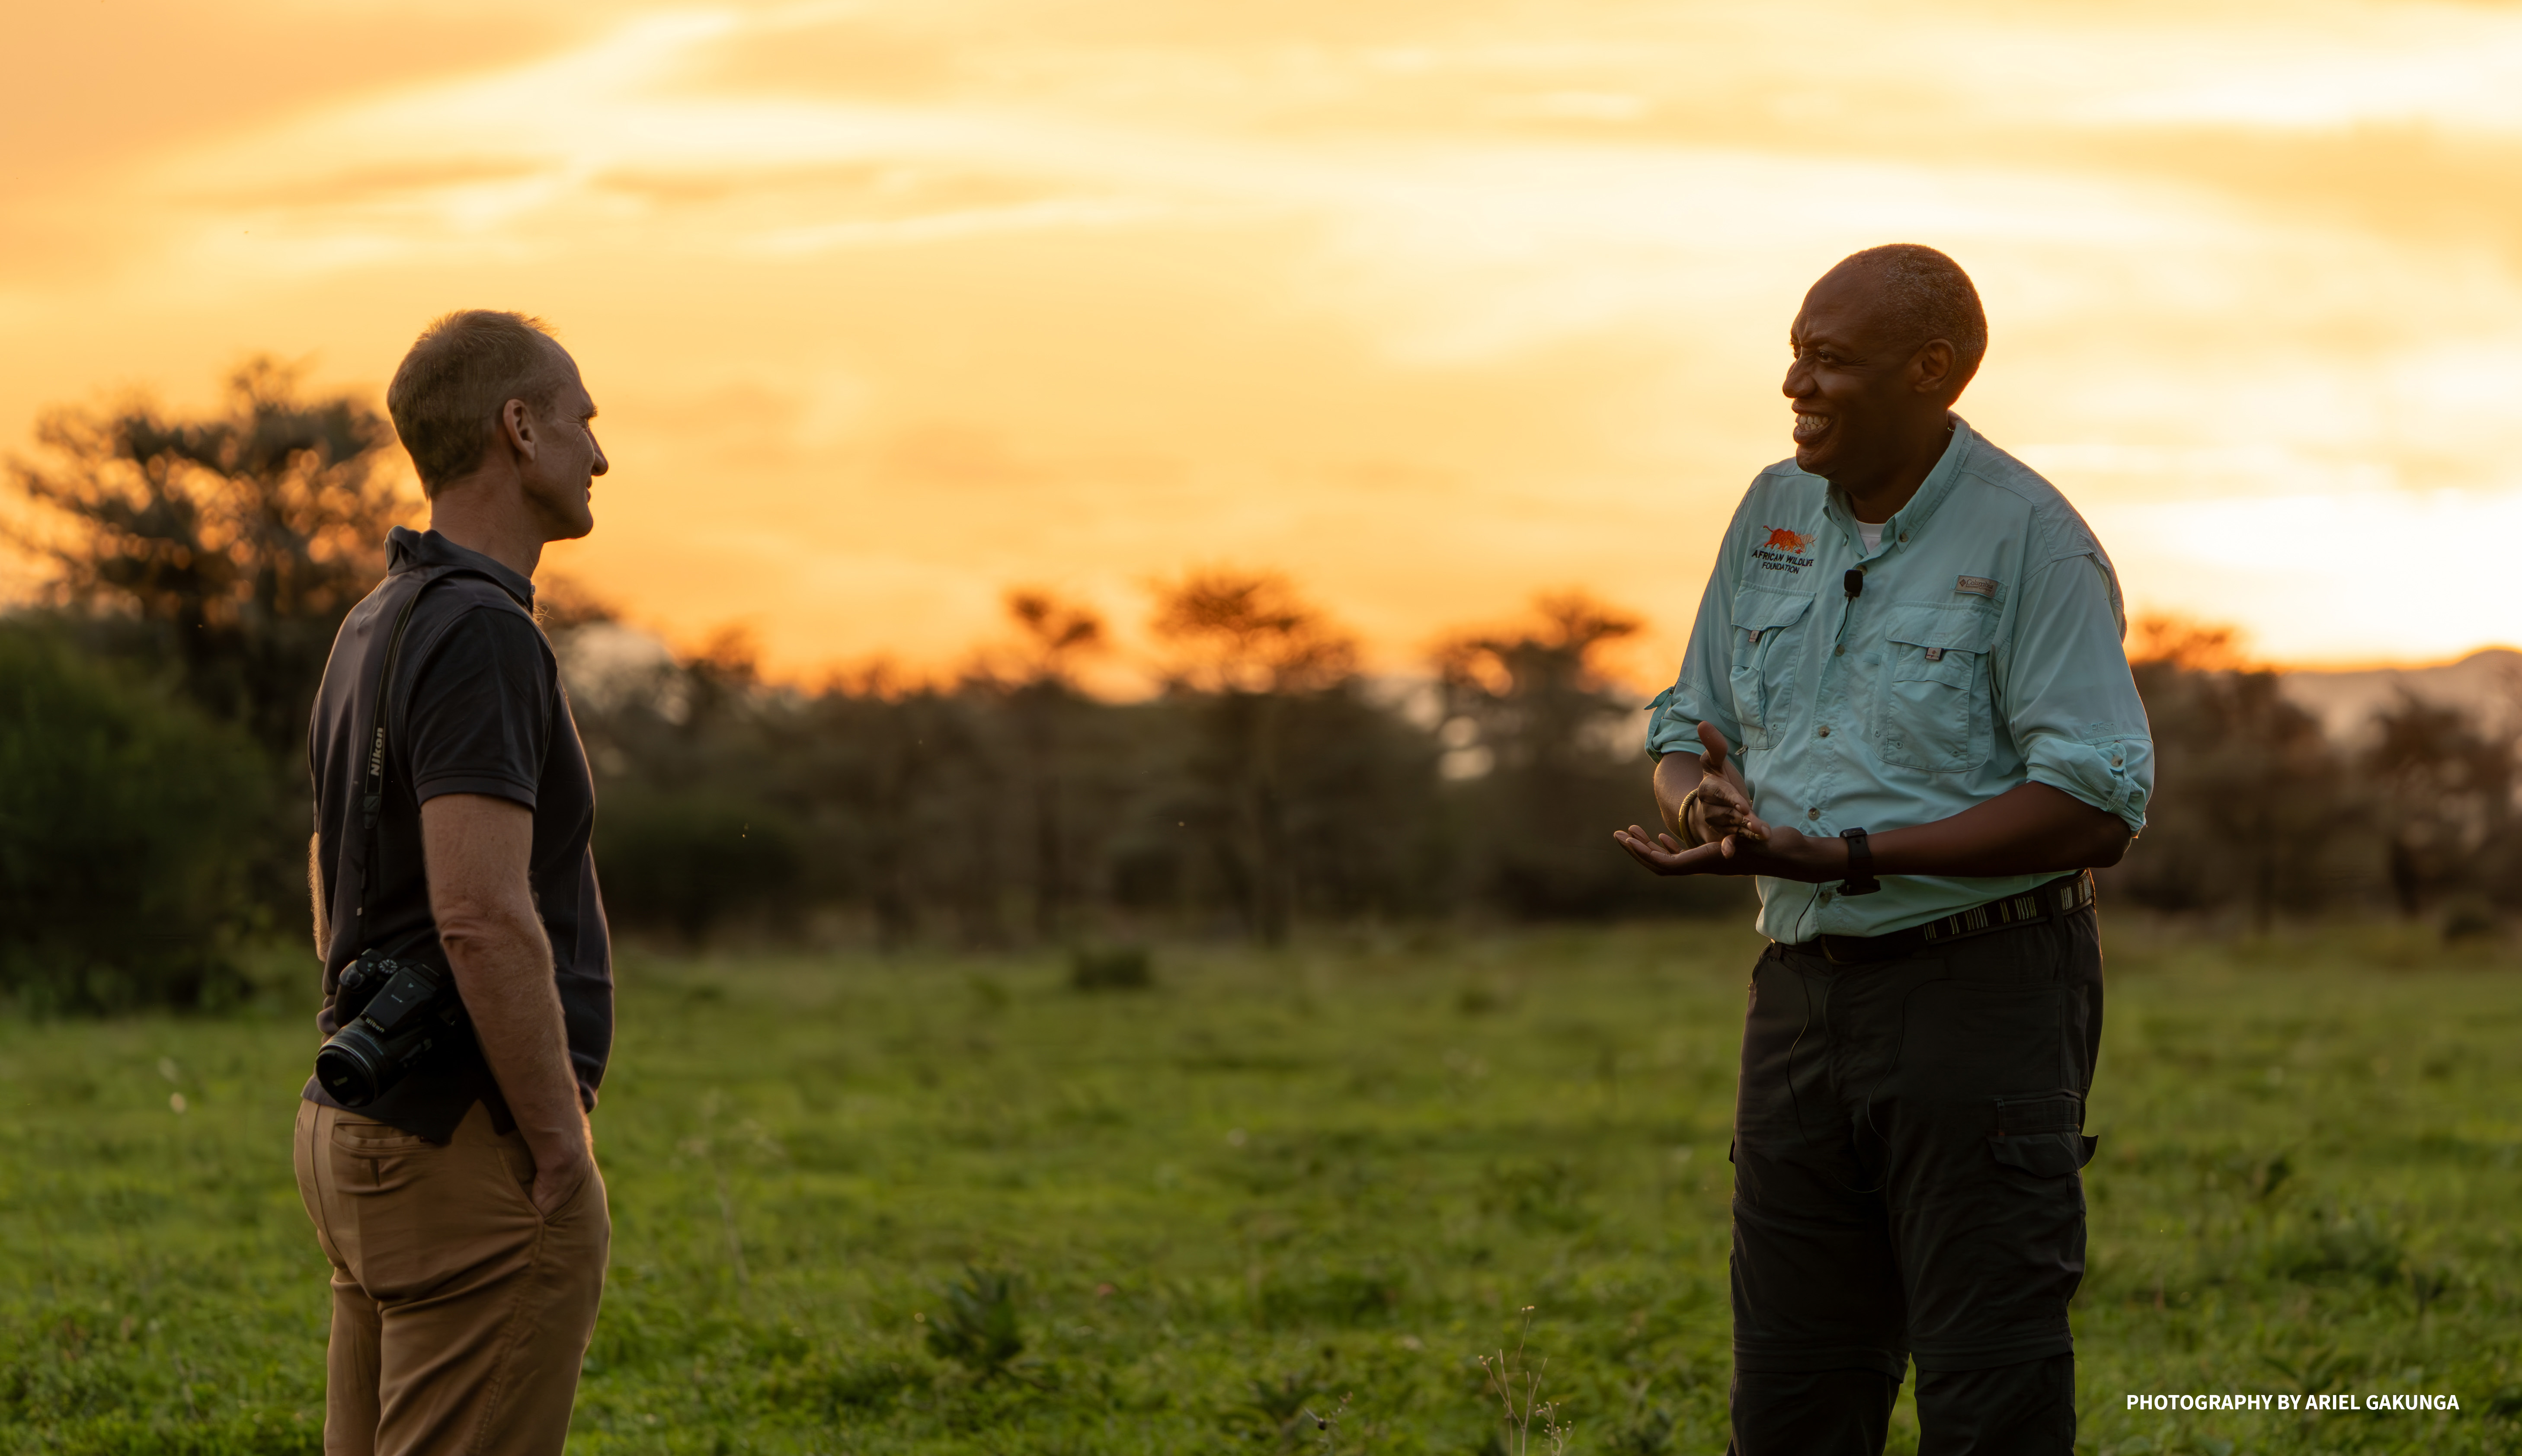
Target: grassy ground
{"x": 1278, "y": 1183}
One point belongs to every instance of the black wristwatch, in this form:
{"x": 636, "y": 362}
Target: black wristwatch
{"x": 1860, "y": 865}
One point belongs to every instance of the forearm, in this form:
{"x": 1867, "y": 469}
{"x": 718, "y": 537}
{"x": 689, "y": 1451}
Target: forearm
{"x": 503, "y": 968}
{"x": 1675, "y": 775}
{"x": 315, "y": 896}
{"x": 2031, "y": 828}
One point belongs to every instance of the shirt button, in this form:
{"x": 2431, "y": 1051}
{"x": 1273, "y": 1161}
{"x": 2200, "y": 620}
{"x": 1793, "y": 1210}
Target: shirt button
{"x": 1824, "y": 732}
{"x": 1904, "y": 535}
{"x": 1813, "y": 813}
{"x": 1839, "y": 651}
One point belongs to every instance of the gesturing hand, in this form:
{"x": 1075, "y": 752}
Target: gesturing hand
{"x": 1784, "y": 855}
{"x": 1723, "y": 804}
{"x": 1738, "y": 840}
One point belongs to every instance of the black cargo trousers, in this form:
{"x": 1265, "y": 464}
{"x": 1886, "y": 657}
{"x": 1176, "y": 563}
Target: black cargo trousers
{"x": 1906, "y": 1141}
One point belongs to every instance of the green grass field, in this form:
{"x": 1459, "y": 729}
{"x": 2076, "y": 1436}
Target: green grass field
{"x": 1325, "y": 1179}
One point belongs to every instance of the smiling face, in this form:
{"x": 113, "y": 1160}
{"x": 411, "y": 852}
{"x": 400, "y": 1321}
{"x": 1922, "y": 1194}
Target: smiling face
{"x": 559, "y": 480}
{"x": 1864, "y": 394}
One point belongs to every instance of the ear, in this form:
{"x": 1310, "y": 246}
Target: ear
{"x": 1931, "y": 368}
{"x": 519, "y": 430}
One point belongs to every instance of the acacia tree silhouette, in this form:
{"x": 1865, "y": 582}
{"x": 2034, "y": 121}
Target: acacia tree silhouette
{"x": 241, "y": 536}
{"x": 1044, "y": 699}
{"x": 1539, "y": 699}
{"x": 1244, "y": 645}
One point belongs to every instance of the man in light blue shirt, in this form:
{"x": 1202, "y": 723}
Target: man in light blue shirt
{"x": 1913, "y": 721}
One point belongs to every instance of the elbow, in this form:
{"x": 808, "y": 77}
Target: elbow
{"x": 468, "y": 926}
{"x": 2083, "y": 832}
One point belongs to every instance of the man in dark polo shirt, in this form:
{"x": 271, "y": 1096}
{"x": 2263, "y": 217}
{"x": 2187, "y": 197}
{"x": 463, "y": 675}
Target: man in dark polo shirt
{"x": 462, "y": 1210}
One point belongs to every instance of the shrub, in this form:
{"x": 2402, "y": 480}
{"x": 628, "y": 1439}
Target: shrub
{"x": 1336, "y": 1293}
{"x": 128, "y": 826}
{"x": 1125, "y": 968}
{"x": 685, "y": 862}
{"x": 977, "y": 1328}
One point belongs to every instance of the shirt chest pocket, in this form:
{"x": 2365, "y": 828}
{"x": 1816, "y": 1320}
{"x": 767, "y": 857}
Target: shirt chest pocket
{"x": 1770, "y": 632}
{"x": 1933, "y": 710}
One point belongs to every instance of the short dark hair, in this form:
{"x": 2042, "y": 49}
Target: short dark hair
{"x": 1929, "y": 297}
{"x": 463, "y": 369}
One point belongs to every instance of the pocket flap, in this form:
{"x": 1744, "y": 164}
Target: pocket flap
{"x": 1952, "y": 668}
{"x": 1962, "y": 627}
{"x": 376, "y": 1139}
{"x": 2062, "y": 1112}
{"x": 1758, "y": 608}
{"x": 2044, "y": 1155}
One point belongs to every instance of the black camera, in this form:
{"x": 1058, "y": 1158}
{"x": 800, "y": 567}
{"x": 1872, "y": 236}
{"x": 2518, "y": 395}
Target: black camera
{"x": 403, "y": 1011}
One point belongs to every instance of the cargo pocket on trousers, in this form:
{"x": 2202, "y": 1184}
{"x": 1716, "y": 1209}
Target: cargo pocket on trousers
{"x": 2043, "y": 1136}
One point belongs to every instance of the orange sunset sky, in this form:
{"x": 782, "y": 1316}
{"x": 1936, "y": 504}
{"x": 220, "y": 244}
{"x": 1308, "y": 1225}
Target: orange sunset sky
{"x": 891, "y": 305}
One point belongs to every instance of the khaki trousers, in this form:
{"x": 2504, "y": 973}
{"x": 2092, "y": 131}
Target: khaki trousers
{"x": 460, "y": 1313}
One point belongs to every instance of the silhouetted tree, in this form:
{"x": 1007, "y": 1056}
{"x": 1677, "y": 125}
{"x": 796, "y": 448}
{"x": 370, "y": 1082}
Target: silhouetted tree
{"x": 1044, "y": 699}
{"x": 1245, "y": 647}
{"x": 241, "y": 536}
{"x": 121, "y": 807}
{"x": 692, "y": 833}
{"x": 2251, "y": 802}
{"x": 2443, "y": 787}
{"x": 1544, "y": 741}
{"x": 1367, "y": 829}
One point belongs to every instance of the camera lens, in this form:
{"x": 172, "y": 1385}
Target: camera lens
{"x": 355, "y": 1068}
{"x": 413, "y": 1015}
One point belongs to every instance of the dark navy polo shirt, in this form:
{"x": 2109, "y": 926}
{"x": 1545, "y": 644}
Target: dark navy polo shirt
{"x": 476, "y": 707}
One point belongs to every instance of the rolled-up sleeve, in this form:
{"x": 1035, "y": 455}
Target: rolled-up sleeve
{"x": 2064, "y": 685}
{"x": 1699, "y": 694}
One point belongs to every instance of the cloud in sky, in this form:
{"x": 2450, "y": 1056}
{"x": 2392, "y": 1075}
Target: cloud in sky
{"x": 891, "y": 305}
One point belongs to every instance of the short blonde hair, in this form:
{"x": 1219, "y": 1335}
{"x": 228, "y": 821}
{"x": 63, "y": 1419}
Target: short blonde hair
{"x": 462, "y": 371}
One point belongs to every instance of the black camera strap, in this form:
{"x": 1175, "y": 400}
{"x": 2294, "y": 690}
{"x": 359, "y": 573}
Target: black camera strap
{"x": 372, "y": 787}
{"x": 372, "y": 784}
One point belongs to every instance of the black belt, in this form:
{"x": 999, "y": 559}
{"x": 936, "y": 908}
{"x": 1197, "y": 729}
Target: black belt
{"x": 2059, "y": 898}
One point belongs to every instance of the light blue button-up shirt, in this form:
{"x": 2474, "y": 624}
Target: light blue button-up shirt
{"x": 1985, "y": 651}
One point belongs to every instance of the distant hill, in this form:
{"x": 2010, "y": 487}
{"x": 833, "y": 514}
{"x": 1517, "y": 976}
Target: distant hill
{"x": 2488, "y": 683}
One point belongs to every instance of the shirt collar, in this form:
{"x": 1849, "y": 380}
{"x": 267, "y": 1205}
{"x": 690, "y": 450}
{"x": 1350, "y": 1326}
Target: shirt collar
{"x": 1931, "y": 494}
{"x": 408, "y": 550}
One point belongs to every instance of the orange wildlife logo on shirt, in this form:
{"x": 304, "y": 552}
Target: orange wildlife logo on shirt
{"x": 1782, "y": 539}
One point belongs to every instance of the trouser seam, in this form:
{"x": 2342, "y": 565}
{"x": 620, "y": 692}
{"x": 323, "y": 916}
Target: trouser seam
{"x": 1960, "y": 1362}
{"x": 328, "y": 1184}
{"x": 512, "y": 1331}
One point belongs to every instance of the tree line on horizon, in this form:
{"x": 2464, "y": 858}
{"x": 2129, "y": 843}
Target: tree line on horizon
{"x": 154, "y": 799}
